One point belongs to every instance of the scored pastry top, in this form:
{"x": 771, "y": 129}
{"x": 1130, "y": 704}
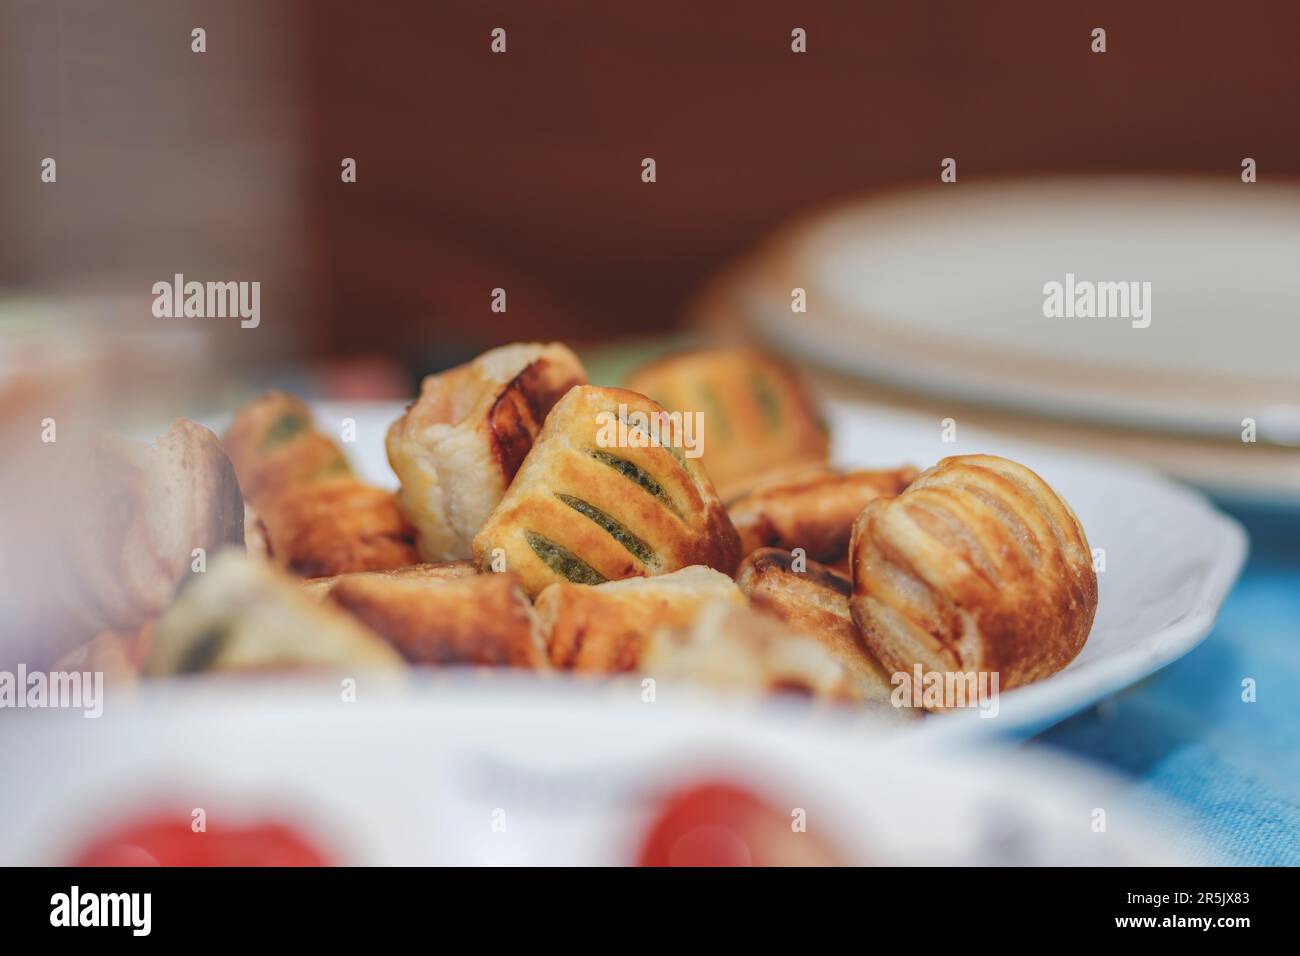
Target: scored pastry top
{"x": 461, "y": 443}
{"x": 597, "y": 499}
{"x": 758, "y": 417}
{"x": 978, "y": 566}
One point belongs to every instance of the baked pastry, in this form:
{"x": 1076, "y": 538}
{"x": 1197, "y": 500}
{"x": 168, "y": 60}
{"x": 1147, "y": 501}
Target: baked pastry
{"x": 600, "y": 497}
{"x": 814, "y": 602}
{"x": 483, "y": 619}
{"x": 135, "y": 515}
{"x": 604, "y": 628}
{"x": 243, "y": 614}
{"x": 735, "y": 646}
{"x": 274, "y": 444}
{"x": 443, "y": 571}
{"x": 758, "y": 418}
{"x": 978, "y": 567}
{"x": 458, "y": 447}
{"x": 313, "y": 516}
{"x": 336, "y": 526}
{"x": 814, "y": 511}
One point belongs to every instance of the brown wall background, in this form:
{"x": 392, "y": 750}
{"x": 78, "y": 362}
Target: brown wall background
{"x": 522, "y": 170}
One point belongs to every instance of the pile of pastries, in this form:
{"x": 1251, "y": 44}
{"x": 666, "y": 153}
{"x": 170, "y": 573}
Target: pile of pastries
{"x": 528, "y": 533}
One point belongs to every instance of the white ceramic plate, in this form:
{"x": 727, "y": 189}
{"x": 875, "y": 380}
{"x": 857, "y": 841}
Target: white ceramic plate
{"x": 414, "y": 771}
{"x": 1170, "y": 558}
{"x": 940, "y": 289}
{"x": 569, "y": 775}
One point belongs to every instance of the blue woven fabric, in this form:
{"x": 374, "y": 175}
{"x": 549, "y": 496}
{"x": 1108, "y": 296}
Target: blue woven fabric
{"x": 1185, "y": 735}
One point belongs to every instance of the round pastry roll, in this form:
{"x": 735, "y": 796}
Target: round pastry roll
{"x": 134, "y": 515}
{"x": 813, "y": 600}
{"x": 313, "y": 516}
{"x": 275, "y": 446}
{"x": 479, "y": 619}
{"x": 335, "y": 526}
{"x": 605, "y": 628}
{"x": 758, "y": 418}
{"x": 458, "y": 447}
{"x": 979, "y": 566}
{"x": 814, "y": 510}
{"x": 603, "y": 495}
{"x": 242, "y": 614}
{"x": 735, "y": 646}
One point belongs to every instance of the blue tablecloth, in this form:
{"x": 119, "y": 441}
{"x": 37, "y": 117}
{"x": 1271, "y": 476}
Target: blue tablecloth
{"x": 1185, "y": 735}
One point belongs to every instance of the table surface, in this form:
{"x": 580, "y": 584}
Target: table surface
{"x": 1186, "y": 735}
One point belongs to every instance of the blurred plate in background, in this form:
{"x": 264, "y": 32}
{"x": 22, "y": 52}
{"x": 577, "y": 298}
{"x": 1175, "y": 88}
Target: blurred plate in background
{"x": 939, "y": 291}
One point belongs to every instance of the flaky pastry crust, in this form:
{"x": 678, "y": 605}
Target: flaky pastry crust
{"x": 458, "y": 447}
{"x": 758, "y": 417}
{"x": 481, "y": 619}
{"x": 813, "y": 511}
{"x": 584, "y": 510}
{"x": 813, "y": 600}
{"x": 979, "y": 566}
{"x": 603, "y": 629}
{"x": 140, "y": 516}
{"x": 314, "y": 517}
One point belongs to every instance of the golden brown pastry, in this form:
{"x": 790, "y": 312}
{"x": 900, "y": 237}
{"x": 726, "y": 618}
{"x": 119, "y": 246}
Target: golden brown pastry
{"x": 602, "y": 629}
{"x": 274, "y": 445}
{"x": 442, "y": 571}
{"x": 813, "y": 601}
{"x": 758, "y": 418}
{"x": 735, "y": 646}
{"x": 596, "y": 501}
{"x": 314, "y": 517}
{"x": 482, "y": 619}
{"x": 459, "y": 446}
{"x": 814, "y": 511}
{"x": 336, "y": 526}
{"x": 135, "y": 515}
{"x": 977, "y": 567}
{"x": 243, "y": 614}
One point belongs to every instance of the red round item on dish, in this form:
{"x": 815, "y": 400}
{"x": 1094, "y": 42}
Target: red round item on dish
{"x": 165, "y": 841}
{"x": 721, "y": 824}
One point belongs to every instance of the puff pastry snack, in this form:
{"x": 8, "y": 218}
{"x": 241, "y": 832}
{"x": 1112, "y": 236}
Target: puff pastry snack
{"x": 587, "y": 508}
{"x": 758, "y": 418}
{"x": 135, "y": 514}
{"x": 814, "y": 511}
{"x": 737, "y": 647}
{"x": 813, "y": 601}
{"x": 603, "y": 629}
{"x": 243, "y": 614}
{"x": 441, "y": 571}
{"x": 316, "y": 518}
{"x": 479, "y": 619}
{"x": 458, "y": 447}
{"x": 977, "y": 567}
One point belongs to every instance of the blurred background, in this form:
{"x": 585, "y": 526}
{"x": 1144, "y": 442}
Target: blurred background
{"x": 523, "y": 171}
